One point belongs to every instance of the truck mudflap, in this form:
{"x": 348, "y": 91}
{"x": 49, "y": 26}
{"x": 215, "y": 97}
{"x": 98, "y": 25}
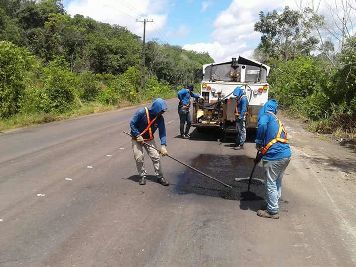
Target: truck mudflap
{"x": 252, "y": 116}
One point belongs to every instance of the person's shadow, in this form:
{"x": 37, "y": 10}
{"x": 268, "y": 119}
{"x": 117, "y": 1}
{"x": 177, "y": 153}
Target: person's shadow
{"x": 136, "y": 178}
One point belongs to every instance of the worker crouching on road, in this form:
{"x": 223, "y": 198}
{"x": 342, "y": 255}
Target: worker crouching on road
{"x": 183, "y": 109}
{"x": 274, "y": 150}
{"x": 143, "y": 126}
{"x": 241, "y": 113}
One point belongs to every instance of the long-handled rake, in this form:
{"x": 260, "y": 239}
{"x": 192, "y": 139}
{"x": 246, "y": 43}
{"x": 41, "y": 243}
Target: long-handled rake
{"x": 187, "y": 165}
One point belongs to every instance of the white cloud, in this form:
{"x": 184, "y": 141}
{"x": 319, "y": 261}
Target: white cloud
{"x": 181, "y": 32}
{"x": 219, "y": 50}
{"x": 124, "y": 12}
{"x": 234, "y": 34}
{"x": 205, "y": 5}
{"x": 232, "y": 31}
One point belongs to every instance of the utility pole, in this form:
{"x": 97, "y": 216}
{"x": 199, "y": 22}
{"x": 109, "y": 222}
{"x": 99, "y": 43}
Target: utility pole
{"x": 343, "y": 33}
{"x": 143, "y": 51}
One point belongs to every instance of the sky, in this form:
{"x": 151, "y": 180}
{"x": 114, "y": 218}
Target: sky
{"x": 223, "y": 28}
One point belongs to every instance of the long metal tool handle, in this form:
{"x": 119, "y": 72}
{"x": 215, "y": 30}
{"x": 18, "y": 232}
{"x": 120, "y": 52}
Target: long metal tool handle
{"x": 185, "y": 164}
{"x": 253, "y": 170}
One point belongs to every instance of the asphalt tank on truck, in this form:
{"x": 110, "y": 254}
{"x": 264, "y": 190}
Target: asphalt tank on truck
{"x": 218, "y": 109}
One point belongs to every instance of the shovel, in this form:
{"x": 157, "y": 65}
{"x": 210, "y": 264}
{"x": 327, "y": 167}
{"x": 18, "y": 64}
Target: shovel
{"x": 253, "y": 170}
{"x": 256, "y": 161}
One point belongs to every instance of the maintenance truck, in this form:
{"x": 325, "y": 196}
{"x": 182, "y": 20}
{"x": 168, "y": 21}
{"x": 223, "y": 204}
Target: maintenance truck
{"x": 218, "y": 108}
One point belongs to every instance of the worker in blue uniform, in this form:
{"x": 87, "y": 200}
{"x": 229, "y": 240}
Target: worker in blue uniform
{"x": 185, "y": 119}
{"x": 240, "y": 113}
{"x": 275, "y": 153}
{"x": 143, "y": 126}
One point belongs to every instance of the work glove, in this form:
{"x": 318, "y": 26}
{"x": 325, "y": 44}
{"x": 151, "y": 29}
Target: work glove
{"x": 163, "y": 151}
{"x": 140, "y": 139}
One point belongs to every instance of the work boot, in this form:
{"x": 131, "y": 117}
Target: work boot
{"x": 142, "y": 180}
{"x": 266, "y": 214}
{"x": 162, "y": 181}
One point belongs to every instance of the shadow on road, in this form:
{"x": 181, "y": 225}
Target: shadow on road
{"x": 213, "y": 134}
{"x": 225, "y": 168}
{"x": 136, "y": 178}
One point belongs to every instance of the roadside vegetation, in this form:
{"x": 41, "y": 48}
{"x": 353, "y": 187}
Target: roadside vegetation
{"x": 53, "y": 66}
{"x": 311, "y": 77}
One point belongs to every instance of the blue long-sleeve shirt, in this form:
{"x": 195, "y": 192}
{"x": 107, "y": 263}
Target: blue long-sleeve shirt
{"x": 267, "y": 130}
{"x": 242, "y": 107}
{"x": 138, "y": 122}
{"x": 242, "y": 102}
{"x": 184, "y": 96}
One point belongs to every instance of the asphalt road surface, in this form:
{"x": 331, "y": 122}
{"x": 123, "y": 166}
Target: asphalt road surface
{"x": 69, "y": 196}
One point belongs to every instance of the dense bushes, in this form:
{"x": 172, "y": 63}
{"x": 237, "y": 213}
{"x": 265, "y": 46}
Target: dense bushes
{"x": 313, "y": 89}
{"x": 299, "y": 84}
{"x": 29, "y": 86}
{"x": 15, "y": 63}
{"x": 54, "y": 64}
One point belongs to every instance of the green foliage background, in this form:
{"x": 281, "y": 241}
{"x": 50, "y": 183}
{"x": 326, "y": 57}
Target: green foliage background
{"x": 52, "y": 64}
{"x": 307, "y": 78}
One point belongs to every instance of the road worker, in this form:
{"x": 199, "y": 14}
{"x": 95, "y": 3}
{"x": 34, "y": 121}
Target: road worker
{"x": 275, "y": 153}
{"x": 240, "y": 113}
{"x": 143, "y": 126}
{"x": 184, "y": 96}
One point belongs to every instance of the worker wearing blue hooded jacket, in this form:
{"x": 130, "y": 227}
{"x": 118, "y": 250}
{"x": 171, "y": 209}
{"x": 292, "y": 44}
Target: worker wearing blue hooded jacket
{"x": 274, "y": 150}
{"x": 143, "y": 126}
{"x": 241, "y": 113}
{"x": 184, "y": 96}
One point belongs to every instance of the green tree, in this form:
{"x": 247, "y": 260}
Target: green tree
{"x": 15, "y": 64}
{"x": 286, "y": 35}
{"x": 343, "y": 90}
{"x": 300, "y": 85}
{"x": 60, "y": 86}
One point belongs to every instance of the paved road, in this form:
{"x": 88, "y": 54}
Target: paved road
{"x": 69, "y": 197}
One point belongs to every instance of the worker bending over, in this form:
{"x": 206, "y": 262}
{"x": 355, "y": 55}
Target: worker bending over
{"x": 143, "y": 126}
